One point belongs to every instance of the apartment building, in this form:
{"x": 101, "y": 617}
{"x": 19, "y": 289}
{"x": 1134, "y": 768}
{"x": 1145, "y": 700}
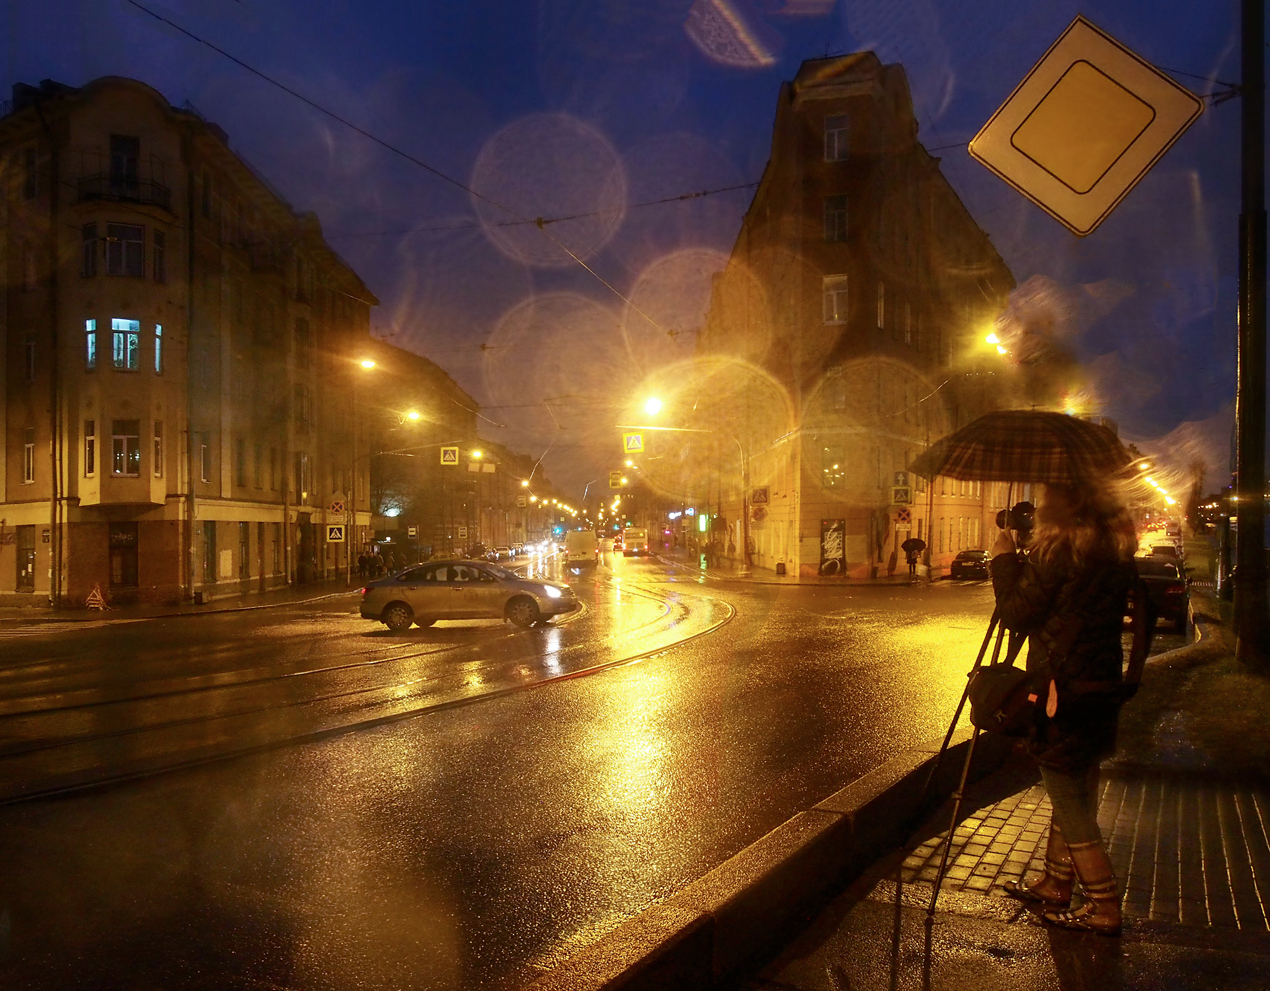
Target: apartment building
{"x": 180, "y": 351}
{"x": 861, "y": 286}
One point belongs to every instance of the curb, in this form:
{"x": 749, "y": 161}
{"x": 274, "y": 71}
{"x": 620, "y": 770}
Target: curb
{"x": 713, "y": 927}
{"x": 79, "y": 616}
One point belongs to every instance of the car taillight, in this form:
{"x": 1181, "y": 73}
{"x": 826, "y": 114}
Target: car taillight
{"x": 363, "y": 590}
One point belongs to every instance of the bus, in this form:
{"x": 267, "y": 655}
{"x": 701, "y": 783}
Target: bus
{"x": 634, "y": 541}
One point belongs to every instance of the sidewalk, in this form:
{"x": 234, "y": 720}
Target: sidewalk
{"x": 11, "y": 616}
{"x": 726, "y": 571}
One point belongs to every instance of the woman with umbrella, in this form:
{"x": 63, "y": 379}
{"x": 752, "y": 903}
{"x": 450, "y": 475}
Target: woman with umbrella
{"x": 912, "y": 548}
{"x": 1069, "y": 595}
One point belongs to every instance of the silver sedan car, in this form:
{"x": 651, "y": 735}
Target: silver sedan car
{"x": 463, "y": 590}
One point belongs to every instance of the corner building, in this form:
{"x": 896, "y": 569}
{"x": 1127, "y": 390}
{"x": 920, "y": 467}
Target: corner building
{"x": 862, "y": 286}
{"x": 179, "y": 348}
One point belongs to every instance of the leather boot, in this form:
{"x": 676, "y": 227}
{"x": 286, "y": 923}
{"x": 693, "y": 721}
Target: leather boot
{"x": 1100, "y": 911}
{"x": 1054, "y": 890}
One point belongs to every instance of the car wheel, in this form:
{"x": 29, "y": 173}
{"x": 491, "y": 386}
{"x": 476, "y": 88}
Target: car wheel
{"x": 398, "y": 617}
{"x": 523, "y": 612}
{"x": 423, "y": 624}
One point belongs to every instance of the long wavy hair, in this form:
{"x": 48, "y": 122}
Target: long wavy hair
{"x": 1078, "y": 524}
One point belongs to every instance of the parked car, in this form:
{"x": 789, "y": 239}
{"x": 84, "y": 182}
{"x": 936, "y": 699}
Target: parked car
{"x": 1167, "y": 588}
{"x": 1169, "y": 551}
{"x": 463, "y": 590}
{"x": 502, "y": 553}
{"x": 969, "y": 564}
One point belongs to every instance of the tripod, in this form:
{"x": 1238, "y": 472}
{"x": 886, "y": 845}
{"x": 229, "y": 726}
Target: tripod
{"x": 1013, "y": 645}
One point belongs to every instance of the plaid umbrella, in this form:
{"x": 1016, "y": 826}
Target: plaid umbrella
{"x": 1024, "y": 446}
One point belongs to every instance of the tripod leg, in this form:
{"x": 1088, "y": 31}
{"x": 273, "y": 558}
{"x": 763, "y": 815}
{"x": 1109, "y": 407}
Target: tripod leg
{"x": 952, "y": 825}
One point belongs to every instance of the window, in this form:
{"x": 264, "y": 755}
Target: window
{"x": 881, "y": 306}
{"x": 125, "y": 446}
{"x": 88, "y": 257}
{"x": 90, "y": 344}
{"x": 125, "y": 152}
{"x": 277, "y": 548}
{"x": 158, "y": 349}
{"x": 302, "y": 476}
{"x": 204, "y": 459}
{"x": 832, "y": 466}
{"x": 28, "y": 456}
{"x": 240, "y": 463}
{"x": 207, "y": 196}
{"x": 835, "y": 218}
{"x": 125, "y": 348}
{"x": 209, "y": 550}
{"x": 90, "y": 448}
{"x": 30, "y": 177}
{"x": 303, "y": 409}
{"x": 125, "y": 250}
{"x": 837, "y": 389}
{"x": 834, "y": 288}
{"x": 28, "y": 358}
{"x": 29, "y": 275}
{"x": 160, "y": 257}
{"x": 256, "y": 466}
{"x": 908, "y": 323}
{"x": 158, "y": 448}
{"x": 836, "y": 138}
{"x": 244, "y": 550}
{"x": 303, "y": 342}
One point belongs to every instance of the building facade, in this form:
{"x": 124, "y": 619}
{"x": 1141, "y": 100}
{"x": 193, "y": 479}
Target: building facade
{"x": 861, "y": 290}
{"x": 179, "y": 360}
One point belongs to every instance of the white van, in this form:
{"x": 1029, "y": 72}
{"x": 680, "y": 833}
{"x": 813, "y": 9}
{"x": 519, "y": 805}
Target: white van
{"x": 580, "y": 548}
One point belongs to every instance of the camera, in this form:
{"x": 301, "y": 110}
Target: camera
{"x": 1021, "y": 517}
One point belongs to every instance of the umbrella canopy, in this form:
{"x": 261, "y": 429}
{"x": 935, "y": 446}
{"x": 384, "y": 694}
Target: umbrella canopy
{"x": 1024, "y": 446}
{"x": 915, "y": 544}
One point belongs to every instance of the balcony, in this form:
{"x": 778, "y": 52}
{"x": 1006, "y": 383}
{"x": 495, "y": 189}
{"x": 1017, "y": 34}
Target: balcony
{"x": 130, "y": 189}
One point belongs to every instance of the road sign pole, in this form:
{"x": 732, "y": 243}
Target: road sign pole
{"x": 1251, "y": 619}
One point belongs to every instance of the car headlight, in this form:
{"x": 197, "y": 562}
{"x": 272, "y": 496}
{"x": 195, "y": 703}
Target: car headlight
{"x": 551, "y": 592}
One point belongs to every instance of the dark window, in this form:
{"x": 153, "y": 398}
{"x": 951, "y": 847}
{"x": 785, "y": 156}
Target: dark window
{"x": 28, "y": 356}
{"x": 26, "y": 558}
{"x": 244, "y": 550}
{"x": 836, "y": 129}
{"x": 256, "y": 466}
{"x": 30, "y": 272}
{"x": 30, "y": 177}
{"x": 88, "y": 258}
{"x": 303, "y": 409}
{"x": 123, "y": 555}
{"x": 240, "y": 462}
{"x": 303, "y": 343}
{"x": 90, "y": 447}
{"x": 125, "y": 154}
{"x": 835, "y": 218}
{"x": 125, "y": 250}
{"x": 160, "y": 257}
{"x": 125, "y": 446}
{"x": 207, "y": 196}
{"x": 209, "y": 550}
{"x": 273, "y": 469}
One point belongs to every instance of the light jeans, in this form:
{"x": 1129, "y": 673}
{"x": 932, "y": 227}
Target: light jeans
{"x": 1074, "y": 797}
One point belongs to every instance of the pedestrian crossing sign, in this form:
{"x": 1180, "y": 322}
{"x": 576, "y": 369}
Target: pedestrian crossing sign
{"x": 450, "y": 455}
{"x": 633, "y": 443}
{"x": 901, "y": 495}
{"x": 335, "y": 533}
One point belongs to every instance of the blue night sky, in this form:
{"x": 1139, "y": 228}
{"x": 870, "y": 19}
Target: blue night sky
{"x": 559, "y": 107}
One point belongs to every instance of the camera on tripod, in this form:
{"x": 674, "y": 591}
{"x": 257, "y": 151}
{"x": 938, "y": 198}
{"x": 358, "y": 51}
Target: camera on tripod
{"x": 1021, "y": 517}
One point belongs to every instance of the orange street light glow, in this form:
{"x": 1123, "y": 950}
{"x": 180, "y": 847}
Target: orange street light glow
{"x": 367, "y": 363}
{"x": 652, "y": 406}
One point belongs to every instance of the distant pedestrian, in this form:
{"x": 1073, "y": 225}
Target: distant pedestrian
{"x": 1071, "y": 591}
{"x": 361, "y": 565}
{"x": 392, "y": 563}
{"x": 912, "y": 549}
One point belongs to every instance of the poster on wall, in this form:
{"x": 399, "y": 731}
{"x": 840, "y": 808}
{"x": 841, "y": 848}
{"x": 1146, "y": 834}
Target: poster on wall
{"x": 833, "y": 547}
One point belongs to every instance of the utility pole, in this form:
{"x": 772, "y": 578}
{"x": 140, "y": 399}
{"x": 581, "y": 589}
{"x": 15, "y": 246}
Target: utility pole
{"x": 1251, "y": 619}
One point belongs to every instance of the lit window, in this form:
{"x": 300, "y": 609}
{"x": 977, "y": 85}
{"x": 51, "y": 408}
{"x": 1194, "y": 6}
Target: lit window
{"x": 835, "y": 218}
{"x": 836, "y": 138}
{"x": 832, "y": 466}
{"x": 834, "y": 288}
{"x": 125, "y": 444}
{"x": 28, "y": 456}
{"x": 158, "y": 349}
{"x": 126, "y": 344}
{"x": 90, "y": 344}
{"x": 90, "y": 448}
{"x": 881, "y": 306}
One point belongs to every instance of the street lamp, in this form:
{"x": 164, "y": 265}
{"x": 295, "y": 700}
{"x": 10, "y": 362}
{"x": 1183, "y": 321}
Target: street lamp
{"x": 652, "y": 406}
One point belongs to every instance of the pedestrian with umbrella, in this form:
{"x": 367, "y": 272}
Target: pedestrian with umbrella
{"x": 912, "y": 549}
{"x": 1068, "y": 594}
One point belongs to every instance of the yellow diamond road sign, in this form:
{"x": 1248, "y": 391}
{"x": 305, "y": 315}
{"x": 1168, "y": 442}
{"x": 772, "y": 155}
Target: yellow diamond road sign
{"x": 449, "y": 455}
{"x": 1084, "y": 126}
{"x": 633, "y": 443}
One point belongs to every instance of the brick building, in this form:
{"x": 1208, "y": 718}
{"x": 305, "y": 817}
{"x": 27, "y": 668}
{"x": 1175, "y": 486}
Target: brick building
{"x": 179, "y": 348}
{"x": 862, "y": 288}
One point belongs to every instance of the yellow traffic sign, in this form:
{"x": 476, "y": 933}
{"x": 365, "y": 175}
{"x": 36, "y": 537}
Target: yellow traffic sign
{"x": 633, "y": 443}
{"x": 450, "y": 456}
{"x": 335, "y": 533}
{"x": 1084, "y": 126}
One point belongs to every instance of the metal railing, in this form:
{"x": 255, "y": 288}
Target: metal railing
{"x": 108, "y": 186}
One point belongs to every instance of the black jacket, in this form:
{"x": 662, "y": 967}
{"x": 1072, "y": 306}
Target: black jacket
{"x": 1046, "y": 602}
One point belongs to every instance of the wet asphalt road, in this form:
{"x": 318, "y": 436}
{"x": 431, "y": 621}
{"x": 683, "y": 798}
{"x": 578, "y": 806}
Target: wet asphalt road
{"x": 523, "y": 793}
